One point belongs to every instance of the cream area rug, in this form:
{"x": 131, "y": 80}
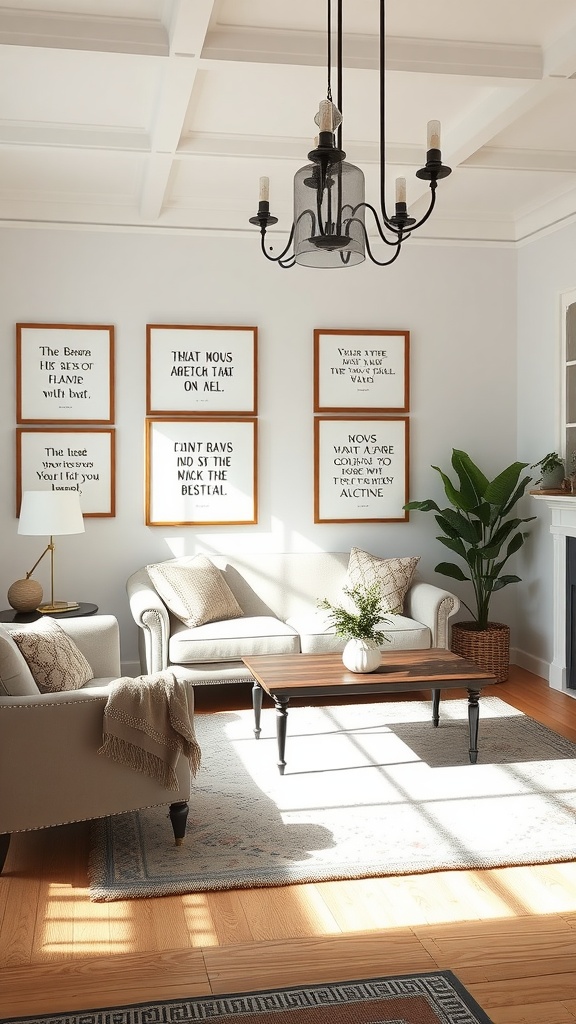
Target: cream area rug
{"x": 369, "y": 790}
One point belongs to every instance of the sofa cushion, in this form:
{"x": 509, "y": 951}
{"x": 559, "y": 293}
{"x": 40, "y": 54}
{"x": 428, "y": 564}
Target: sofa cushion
{"x": 317, "y": 636}
{"x": 231, "y": 639}
{"x": 393, "y": 575}
{"x": 195, "y": 593}
{"x": 16, "y": 679}
{"x": 53, "y": 658}
{"x": 406, "y": 634}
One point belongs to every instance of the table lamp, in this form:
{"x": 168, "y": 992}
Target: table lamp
{"x": 51, "y": 513}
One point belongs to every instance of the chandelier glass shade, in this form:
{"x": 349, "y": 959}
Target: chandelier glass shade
{"x": 329, "y": 226}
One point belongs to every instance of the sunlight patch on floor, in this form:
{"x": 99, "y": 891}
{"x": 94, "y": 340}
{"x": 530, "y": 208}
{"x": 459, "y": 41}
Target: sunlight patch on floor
{"x": 199, "y": 920}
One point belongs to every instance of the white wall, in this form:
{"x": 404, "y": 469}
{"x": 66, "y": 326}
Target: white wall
{"x": 546, "y": 269}
{"x": 458, "y": 302}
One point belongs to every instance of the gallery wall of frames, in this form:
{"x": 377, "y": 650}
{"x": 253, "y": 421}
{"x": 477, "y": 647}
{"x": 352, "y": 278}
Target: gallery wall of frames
{"x": 201, "y": 421}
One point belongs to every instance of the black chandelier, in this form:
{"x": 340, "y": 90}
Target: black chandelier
{"x": 329, "y": 207}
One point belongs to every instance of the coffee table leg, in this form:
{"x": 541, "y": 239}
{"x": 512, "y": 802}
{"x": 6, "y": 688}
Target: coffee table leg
{"x": 473, "y": 716}
{"x": 257, "y": 705}
{"x": 281, "y": 705}
{"x": 435, "y": 707}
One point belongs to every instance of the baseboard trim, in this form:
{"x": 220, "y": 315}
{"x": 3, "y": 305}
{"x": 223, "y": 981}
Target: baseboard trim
{"x": 536, "y": 665}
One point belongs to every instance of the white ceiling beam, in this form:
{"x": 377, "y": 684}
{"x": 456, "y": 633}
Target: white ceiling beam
{"x": 560, "y": 56}
{"x": 234, "y": 147}
{"x": 238, "y": 147}
{"x": 500, "y": 159}
{"x": 443, "y": 57}
{"x": 78, "y": 32}
{"x": 188, "y": 27}
{"x": 57, "y": 136}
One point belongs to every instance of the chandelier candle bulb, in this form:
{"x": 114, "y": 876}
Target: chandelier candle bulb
{"x": 400, "y": 190}
{"x": 264, "y": 195}
{"x": 325, "y": 116}
{"x": 433, "y": 135}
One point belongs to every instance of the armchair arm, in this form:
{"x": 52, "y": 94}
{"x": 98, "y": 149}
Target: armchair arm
{"x": 432, "y": 606}
{"x": 49, "y": 756}
{"x": 151, "y": 615}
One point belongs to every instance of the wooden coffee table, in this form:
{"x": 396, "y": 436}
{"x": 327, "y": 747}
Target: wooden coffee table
{"x": 283, "y": 676}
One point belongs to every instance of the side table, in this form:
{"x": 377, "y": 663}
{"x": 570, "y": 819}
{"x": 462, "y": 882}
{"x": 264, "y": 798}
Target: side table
{"x": 9, "y": 615}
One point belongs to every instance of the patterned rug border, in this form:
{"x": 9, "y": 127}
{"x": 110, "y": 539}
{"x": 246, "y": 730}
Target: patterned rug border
{"x": 133, "y": 881}
{"x": 444, "y": 992}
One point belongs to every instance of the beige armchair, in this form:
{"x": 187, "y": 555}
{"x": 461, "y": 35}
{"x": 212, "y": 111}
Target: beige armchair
{"x": 49, "y": 762}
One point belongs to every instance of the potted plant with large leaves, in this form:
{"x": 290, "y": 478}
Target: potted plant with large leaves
{"x": 480, "y": 527}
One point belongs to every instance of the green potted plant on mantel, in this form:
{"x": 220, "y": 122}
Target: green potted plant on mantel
{"x": 553, "y": 472}
{"x": 359, "y": 628}
{"x": 480, "y": 527}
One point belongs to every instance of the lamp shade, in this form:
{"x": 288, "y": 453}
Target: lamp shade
{"x": 53, "y": 513}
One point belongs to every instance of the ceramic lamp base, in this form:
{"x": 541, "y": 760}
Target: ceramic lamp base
{"x": 25, "y": 595}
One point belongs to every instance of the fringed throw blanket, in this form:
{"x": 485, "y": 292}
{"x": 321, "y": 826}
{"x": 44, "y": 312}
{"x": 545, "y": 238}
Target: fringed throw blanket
{"x": 148, "y": 724}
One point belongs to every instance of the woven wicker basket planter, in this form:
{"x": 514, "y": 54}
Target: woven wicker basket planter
{"x": 489, "y": 648}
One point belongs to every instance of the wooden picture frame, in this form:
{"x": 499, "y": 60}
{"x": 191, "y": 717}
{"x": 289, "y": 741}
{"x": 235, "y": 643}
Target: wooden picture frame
{"x": 64, "y": 373}
{"x": 201, "y": 472}
{"x": 361, "y": 371}
{"x": 201, "y": 371}
{"x": 67, "y": 458}
{"x": 361, "y": 469}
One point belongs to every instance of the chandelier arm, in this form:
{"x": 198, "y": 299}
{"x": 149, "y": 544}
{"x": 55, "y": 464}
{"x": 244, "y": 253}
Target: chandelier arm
{"x": 382, "y": 83}
{"x": 400, "y": 236}
{"x": 275, "y": 259}
{"x": 380, "y": 263}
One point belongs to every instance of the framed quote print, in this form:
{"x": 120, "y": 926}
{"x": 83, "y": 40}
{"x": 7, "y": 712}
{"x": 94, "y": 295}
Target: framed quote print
{"x": 64, "y": 373}
{"x": 201, "y": 472}
{"x": 360, "y": 469}
{"x": 67, "y": 459}
{"x": 364, "y": 371}
{"x": 205, "y": 371}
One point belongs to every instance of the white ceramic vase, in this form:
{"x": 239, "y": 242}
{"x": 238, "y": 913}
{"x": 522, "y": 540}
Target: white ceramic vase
{"x": 361, "y": 655}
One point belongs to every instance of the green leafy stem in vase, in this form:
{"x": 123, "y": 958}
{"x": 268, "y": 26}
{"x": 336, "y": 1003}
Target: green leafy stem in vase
{"x": 360, "y": 625}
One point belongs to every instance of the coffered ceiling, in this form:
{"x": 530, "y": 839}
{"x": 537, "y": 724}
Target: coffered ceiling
{"x": 164, "y": 113}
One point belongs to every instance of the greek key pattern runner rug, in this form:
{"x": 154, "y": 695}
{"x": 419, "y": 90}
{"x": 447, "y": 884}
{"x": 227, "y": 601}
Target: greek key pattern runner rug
{"x": 436, "y": 998}
{"x": 369, "y": 790}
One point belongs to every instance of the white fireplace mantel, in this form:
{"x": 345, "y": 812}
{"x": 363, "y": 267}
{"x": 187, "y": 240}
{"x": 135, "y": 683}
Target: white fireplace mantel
{"x": 563, "y": 525}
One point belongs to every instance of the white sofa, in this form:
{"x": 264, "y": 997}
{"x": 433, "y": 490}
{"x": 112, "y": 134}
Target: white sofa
{"x": 278, "y": 594}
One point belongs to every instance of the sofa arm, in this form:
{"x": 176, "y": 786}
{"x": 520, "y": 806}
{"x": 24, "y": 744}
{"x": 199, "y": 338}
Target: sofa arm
{"x": 98, "y": 637}
{"x": 151, "y": 615}
{"x": 432, "y": 606}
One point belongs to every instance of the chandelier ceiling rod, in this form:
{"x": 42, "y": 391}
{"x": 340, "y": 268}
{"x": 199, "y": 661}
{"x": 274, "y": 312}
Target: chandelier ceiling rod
{"x": 329, "y": 229}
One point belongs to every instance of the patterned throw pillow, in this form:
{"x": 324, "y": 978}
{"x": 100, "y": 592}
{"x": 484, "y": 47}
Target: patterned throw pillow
{"x": 52, "y": 657}
{"x": 195, "y": 593}
{"x": 394, "y": 576}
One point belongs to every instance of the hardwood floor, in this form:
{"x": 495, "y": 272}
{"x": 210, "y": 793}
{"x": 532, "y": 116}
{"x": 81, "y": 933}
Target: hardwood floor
{"x": 509, "y": 934}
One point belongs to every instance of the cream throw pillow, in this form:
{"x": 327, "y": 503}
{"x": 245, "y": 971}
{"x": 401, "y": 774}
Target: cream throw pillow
{"x": 393, "y": 575}
{"x": 53, "y": 658}
{"x": 195, "y": 593}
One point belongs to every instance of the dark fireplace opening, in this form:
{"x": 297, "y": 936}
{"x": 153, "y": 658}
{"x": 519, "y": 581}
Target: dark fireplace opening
{"x": 571, "y": 612}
